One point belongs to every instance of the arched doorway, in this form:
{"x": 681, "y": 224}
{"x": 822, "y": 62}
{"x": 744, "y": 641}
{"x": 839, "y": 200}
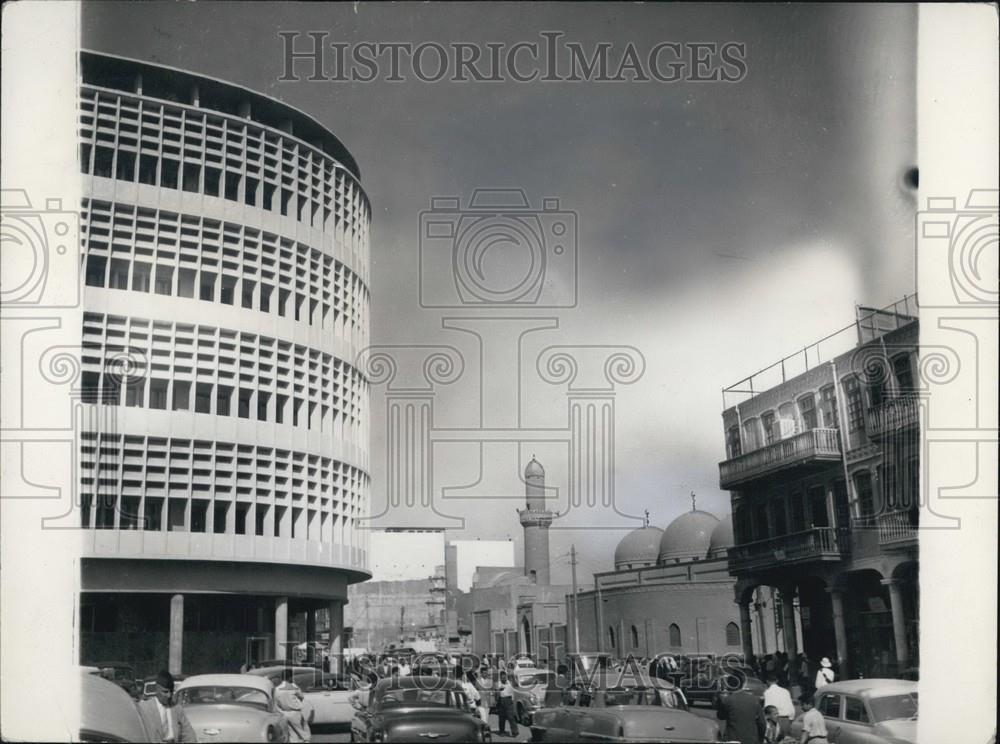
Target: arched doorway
{"x": 816, "y": 615}
{"x": 871, "y": 647}
{"x": 525, "y": 635}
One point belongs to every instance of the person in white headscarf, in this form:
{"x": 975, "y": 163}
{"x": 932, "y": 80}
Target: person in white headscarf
{"x": 825, "y": 675}
{"x": 297, "y": 711}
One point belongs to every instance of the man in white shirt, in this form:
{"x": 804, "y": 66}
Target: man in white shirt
{"x": 781, "y": 699}
{"x": 813, "y": 723}
{"x": 164, "y": 720}
{"x": 825, "y": 675}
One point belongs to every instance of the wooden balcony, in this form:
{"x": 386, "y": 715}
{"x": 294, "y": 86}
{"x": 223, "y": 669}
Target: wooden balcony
{"x": 896, "y": 529}
{"x": 892, "y": 415}
{"x": 815, "y": 544}
{"x": 818, "y": 446}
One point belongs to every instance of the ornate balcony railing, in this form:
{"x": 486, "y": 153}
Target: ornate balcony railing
{"x": 892, "y": 415}
{"x": 896, "y": 528}
{"x": 815, "y": 544}
{"x": 816, "y": 445}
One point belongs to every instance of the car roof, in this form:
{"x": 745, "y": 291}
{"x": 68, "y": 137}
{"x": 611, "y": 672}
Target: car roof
{"x": 295, "y": 670}
{"x": 227, "y": 680}
{"x": 871, "y": 687}
{"x": 424, "y": 682}
{"x": 108, "y": 709}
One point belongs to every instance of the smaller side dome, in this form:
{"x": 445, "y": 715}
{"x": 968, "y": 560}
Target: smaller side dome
{"x": 722, "y": 538}
{"x": 638, "y": 549}
{"x": 534, "y": 469}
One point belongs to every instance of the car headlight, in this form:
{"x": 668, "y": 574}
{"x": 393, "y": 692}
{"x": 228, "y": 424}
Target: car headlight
{"x": 532, "y": 699}
{"x": 378, "y": 736}
{"x": 271, "y": 734}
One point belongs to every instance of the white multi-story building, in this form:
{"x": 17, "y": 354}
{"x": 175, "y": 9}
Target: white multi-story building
{"x": 224, "y": 462}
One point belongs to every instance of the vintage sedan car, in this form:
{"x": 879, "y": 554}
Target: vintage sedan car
{"x": 868, "y": 711}
{"x": 232, "y": 707}
{"x": 533, "y": 689}
{"x": 417, "y": 709}
{"x": 120, "y": 672}
{"x": 107, "y": 712}
{"x": 708, "y": 683}
{"x": 638, "y": 714}
{"x": 328, "y": 694}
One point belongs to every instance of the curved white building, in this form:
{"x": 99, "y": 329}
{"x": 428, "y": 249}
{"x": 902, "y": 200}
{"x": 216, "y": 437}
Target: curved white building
{"x": 224, "y": 463}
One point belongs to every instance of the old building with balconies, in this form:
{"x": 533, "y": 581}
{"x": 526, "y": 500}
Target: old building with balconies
{"x": 823, "y": 463}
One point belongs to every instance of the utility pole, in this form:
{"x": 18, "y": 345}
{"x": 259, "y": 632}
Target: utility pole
{"x": 576, "y": 605}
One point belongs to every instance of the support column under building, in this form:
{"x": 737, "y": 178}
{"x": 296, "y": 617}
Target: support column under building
{"x": 788, "y": 628}
{"x": 336, "y": 635}
{"x": 281, "y": 627}
{"x": 840, "y": 631}
{"x": 746, "y": 631}
{"x": 898, "y": 623}
{"x": 175, "y": 654}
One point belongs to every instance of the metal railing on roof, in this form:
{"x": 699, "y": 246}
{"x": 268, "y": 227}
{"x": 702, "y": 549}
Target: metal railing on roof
{"x": 869, "y": 324}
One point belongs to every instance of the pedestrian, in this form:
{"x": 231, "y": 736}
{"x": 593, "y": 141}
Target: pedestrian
{"x": 813, "y": 724}
{"x": 780, "y": 699}
{"x": 164, "y": 720}
{"x": 473, "y": 694}
{"x": 741, "y": 712}
{"x": 772, "y": 728}
{"x": 293, "y": 705}
{"x": 505, "y": 706}
{"x": 825, "y": 675}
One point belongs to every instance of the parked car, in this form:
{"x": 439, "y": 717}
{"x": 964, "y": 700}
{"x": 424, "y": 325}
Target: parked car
{"x": 107, "y": 712}
{"x": 868, "y": 711}
{"x": 329, "y": 694}
{"x": 708, "y": 682}
{"x": 120, "y": 672}
{"x": 417, "y": 709}
{"x": 654, "y": 713}
{"x": 232, "y": 707}
{"x": 533, "y": 689}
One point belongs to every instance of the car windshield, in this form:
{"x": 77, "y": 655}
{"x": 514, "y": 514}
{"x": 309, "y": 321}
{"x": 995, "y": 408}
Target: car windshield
{"x": 421, "y": 698}
{"x": 531, "y": 680}
{"x": 894, "y": 707}
{"x": 642, "y": 696}
{"x": 223, "y": 695}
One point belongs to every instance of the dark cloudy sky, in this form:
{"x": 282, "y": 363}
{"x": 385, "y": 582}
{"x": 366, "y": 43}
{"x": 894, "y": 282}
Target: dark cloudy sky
{"x": 721, "y": 226}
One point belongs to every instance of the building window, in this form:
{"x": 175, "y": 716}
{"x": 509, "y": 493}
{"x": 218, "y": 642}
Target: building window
{"x": 761, "y": 526}
{"x": 733, "y": 448}
{"x": 203, "y": 397}
{"x": 828, "y": 405}
{"x": 243, "y": 411}
{"x": 147, "y": 169}
{"x": 140, "y": 276}
{"x": 221, "y": 509}
{"x": 768, "y": 424}
{"x": 199, "y": 515}
{"x": 611, "y": 637}
{"x": 817, "y": 507}
{"x": 176, "y": 514}
{"x": 732, "y": 634}
{"x": 228, "y": 289}
{"x": 185, "y": 282}
{"x": 135, "y": 392}
{"x": 807, "y": 412}
{"x": 125, "y": 167}
{"x": 634, "y": 633}
{"x": 889, "y": 486}
{"x": 863, "y": 488}
{"x": 182, "y": 396}
{"x": 164, "y": 280}
{"x": 260, "y": 519}
{"x": 674, "y": 634}
{"x": 798, "y": 512}
{"x": 90, "y": 387}
{"x": 95, "y": 271}
{"x": 223, "y": 395}
{"x": 903, "y": 370}
{"x": 751, "y": 435}
{"x": 262, "y": 401}
{"x": 778, "y": 517}
{"x": 158, "y": 394}
{"x": 119, "y": 274}
{"x": 852, "y": 390}
{"x": 206, "y": 288}
{"x": 152, "y": 515}
{"x": 241, "y": 518}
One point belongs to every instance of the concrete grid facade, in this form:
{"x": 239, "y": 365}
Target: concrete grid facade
{"x": 224, "y": 424}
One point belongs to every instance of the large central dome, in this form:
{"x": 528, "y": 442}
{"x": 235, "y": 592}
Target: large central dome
{"x": 688, "y": 537}
{"x": 638, "y": 549}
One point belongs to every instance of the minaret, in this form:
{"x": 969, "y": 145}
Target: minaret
{"x": 536, "y": 520}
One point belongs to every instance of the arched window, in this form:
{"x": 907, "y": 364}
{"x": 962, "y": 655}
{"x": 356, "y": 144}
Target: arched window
{"x": 732, "y": 634}
{"x": 635, "y": 637}
{"x": 675, "y": 635}
{"x": 611, "y": 636}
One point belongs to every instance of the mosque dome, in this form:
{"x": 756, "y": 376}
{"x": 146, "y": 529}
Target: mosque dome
{"x": 639, "y": 548}
{"x": 688, "y": 537}
{"x": 722, "y": 538}
{"x": 534, "y": 469}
